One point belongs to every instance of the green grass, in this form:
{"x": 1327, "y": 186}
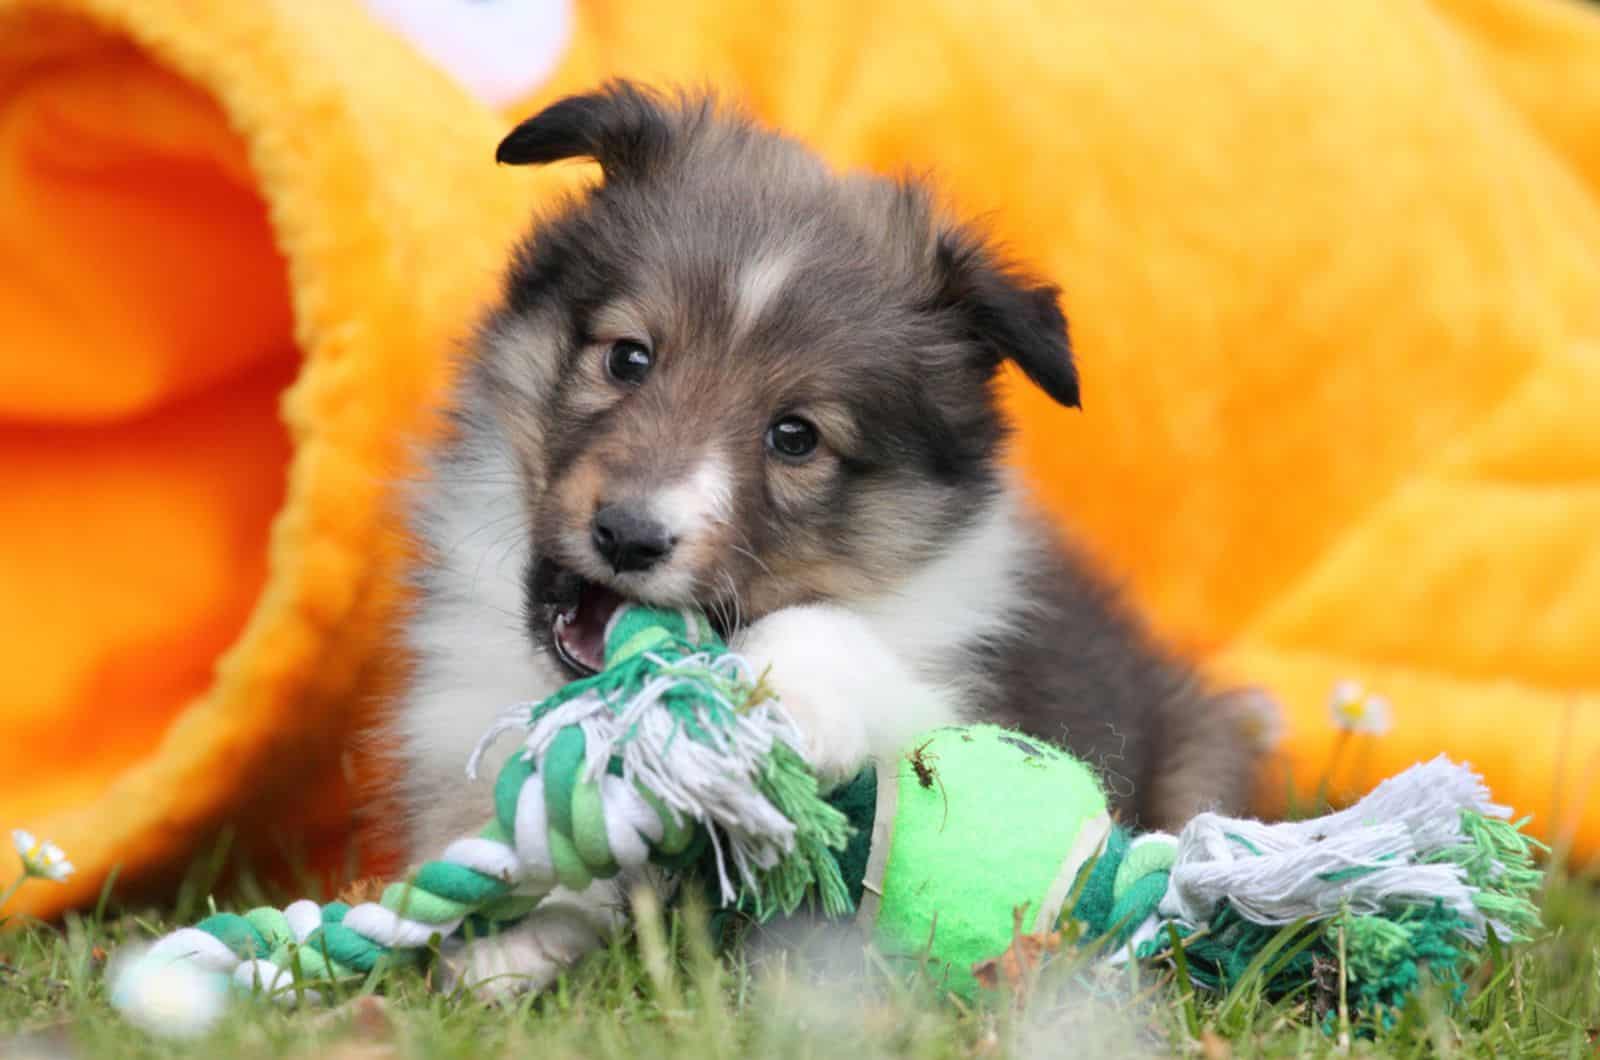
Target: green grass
{"x": 666, "y": 994}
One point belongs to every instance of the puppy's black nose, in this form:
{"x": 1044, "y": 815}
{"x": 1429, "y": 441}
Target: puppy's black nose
{"x": 628, "y": 539}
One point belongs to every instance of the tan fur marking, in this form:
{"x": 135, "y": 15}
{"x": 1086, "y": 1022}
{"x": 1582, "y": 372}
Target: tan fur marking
{"x": 620, "y": 320}
{"x": 579, "y": 491}
{"x": 799, "y": 486}
{"x": 593, "y": 390}
{"x": 835, "y": 424}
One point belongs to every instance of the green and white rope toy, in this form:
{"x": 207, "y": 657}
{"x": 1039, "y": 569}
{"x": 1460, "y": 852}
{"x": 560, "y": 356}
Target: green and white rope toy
{"x": 672, "y": 746}
{"x": 675, "y": 755}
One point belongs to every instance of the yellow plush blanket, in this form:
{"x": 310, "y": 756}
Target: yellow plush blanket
{"x": 1333, "y": 272}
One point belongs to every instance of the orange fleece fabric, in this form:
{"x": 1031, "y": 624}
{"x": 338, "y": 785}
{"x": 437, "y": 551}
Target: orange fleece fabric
{"x": 1333, "y": 273}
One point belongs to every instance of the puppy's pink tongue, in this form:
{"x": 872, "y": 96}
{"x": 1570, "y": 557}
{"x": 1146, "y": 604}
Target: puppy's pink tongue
{"x": 582, "y": 631}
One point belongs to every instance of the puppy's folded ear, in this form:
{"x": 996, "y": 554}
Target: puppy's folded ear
{"x": 622, "y": 126}
{"x": 1007, "y": 316}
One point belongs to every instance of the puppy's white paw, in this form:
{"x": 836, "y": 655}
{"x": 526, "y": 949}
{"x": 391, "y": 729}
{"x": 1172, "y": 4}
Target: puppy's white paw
{"x": 836, "y": 744}
{"x": 526, "y": 958}
{"x": 498, "y": 968}
{"x": 851, "y": 696}
{"x": 809, "y": 662}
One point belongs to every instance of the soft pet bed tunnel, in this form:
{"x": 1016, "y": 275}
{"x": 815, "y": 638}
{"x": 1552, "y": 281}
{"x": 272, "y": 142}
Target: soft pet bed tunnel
{"x": 230, "y": 286}
{"x": 1338, "y": 316}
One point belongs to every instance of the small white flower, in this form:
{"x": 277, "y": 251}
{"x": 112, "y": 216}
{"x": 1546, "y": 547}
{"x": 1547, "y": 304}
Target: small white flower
{"x": 169, "y": 998}
{"x": 1355, "y": 709}
{"x": 42, "y": 859}
{"x": 1261, "y": 719}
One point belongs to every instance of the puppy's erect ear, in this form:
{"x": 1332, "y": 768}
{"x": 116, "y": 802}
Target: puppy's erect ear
{"x": 1008, "y": 316}
{"x": 623, "y": 127}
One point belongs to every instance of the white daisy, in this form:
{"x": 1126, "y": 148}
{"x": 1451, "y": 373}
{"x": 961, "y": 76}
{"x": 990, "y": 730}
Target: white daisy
{"x": 1355, "y": 709}
{"x": 1260, "y": 718}
{"x": 42, "y": 859}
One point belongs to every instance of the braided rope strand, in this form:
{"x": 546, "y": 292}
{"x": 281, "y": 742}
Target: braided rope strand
{"x": 671, "y": 747}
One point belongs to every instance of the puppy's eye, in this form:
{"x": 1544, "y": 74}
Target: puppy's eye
{"x": 792, "y": 438}
{"x": 628, "y": 362}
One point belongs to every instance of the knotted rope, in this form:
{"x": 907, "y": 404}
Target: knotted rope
{"x": 1415, "y": 875}
{"x": 673, "y": 746}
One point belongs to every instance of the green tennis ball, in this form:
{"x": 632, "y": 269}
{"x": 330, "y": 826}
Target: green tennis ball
{"x": 985, "y": 820}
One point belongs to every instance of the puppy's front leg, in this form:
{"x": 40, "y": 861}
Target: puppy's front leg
{"x": 852, "y": 697}
{"x": 529, "y": 956}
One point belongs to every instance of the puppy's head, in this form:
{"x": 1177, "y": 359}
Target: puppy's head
{"x": 737, "y": 381}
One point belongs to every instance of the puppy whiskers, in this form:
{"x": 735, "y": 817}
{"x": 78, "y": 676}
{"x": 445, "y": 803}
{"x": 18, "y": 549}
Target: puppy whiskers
{"x": 719, "y": 607}
{"x": 749, "y": 553}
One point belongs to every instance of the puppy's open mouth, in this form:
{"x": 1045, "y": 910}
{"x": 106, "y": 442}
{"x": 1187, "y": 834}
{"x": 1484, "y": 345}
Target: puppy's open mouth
{"x": 578, "y": 611}
{"x": 575, "y": 613}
